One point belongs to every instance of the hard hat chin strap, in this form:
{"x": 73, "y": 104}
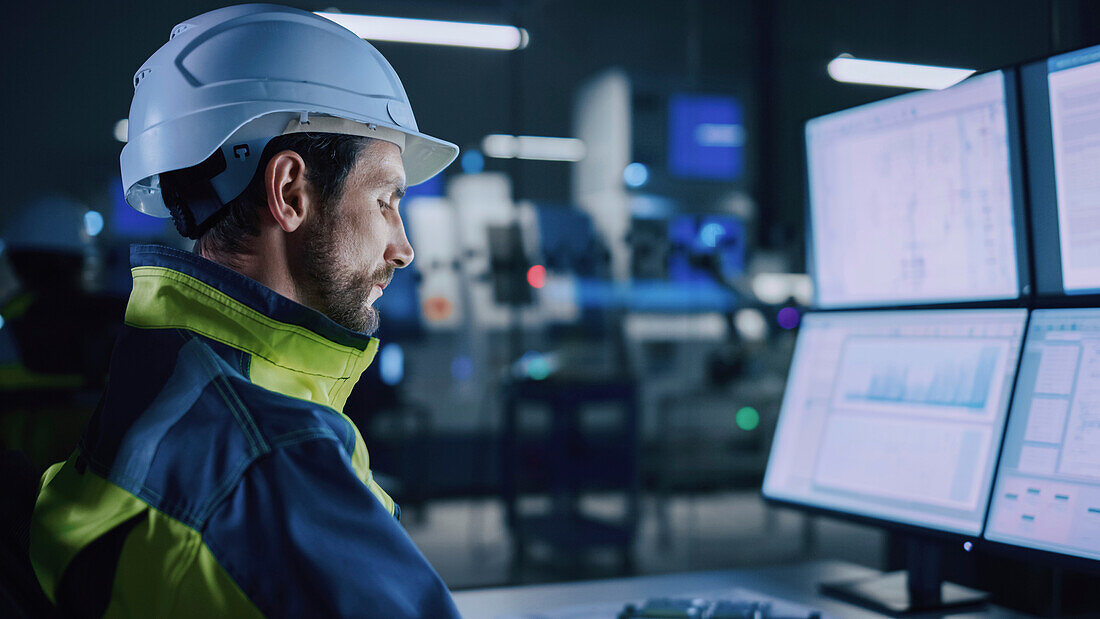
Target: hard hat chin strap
{"x": 190, "y": 197}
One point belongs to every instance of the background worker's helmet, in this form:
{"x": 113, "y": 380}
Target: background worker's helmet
{"x": 47, "y": 243}
{"x": 230, "y": 80}
{"x": 52, "y": 224}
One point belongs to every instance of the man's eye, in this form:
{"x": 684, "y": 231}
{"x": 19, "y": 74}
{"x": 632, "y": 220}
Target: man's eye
{"x": 383, "y": 205}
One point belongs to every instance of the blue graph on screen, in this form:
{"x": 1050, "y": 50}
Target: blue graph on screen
{"x": 919, "y": 374}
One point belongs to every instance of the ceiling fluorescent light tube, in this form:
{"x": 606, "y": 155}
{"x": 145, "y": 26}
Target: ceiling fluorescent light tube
{"x": 535, "y": 147}
{"x": 431, "y": 32}
{"x": 845, "y": 68}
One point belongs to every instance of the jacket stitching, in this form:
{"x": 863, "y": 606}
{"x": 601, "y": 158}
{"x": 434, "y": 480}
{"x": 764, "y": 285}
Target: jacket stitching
{"x": 236, "y": 406}
{"x": 295, "y": 435}
{"x": 232, "y": 481}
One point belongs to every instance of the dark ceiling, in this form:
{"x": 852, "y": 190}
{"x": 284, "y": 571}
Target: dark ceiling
{"x": 68, "y": 66}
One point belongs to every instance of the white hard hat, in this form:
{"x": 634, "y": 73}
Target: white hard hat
{"x": 234, "y": 78}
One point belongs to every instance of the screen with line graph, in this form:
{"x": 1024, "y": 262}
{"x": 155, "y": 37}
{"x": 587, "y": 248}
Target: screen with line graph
{"x": 1047, "y": 494}
{"x": 897, "y": 415}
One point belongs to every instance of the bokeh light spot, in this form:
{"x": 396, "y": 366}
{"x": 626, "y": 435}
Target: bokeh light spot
{"x": 747, "y": 418}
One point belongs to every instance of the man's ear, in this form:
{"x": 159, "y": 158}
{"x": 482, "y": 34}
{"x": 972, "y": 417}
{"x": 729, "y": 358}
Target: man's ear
{"x": 288, "y": 192}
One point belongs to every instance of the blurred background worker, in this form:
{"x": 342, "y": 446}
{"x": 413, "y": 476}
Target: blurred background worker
{"x": 55, "y": 335}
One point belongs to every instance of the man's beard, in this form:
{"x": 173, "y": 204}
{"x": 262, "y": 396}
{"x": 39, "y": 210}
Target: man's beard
{"x": 330, "y": 285}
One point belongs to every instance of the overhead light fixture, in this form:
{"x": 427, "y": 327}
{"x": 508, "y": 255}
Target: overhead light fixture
{"x": 845, "y": 68}
{"x": 431, "y": 32}
{"x": 502, "y": 146}
{"x": 776, "y": 288}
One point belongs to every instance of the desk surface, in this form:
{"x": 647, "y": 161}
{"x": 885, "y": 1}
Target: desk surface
{"x": 795, "y": 583}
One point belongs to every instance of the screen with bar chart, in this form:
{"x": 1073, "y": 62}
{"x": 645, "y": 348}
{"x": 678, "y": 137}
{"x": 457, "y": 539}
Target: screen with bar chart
{"x": 1047, "y": 494}
{"x": 914, "y": 200}
{"x": 897, "y": 415}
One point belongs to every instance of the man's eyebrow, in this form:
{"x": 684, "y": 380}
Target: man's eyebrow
{"x": 398, "y": 187}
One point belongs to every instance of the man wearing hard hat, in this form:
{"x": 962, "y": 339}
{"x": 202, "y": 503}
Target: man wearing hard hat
{"x": 219, "y": 475}
{"x": 55, "y": 335}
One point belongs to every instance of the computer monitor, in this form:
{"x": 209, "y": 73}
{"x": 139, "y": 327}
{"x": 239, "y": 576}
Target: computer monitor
{"x": 917, "y": 200}
{"x": 896, "y": 418}
{"x": 1047, "y": 491}
{"x": 1061, "y": 110}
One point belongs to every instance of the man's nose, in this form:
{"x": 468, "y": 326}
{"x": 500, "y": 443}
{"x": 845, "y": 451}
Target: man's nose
{"x": 399, "y": 252}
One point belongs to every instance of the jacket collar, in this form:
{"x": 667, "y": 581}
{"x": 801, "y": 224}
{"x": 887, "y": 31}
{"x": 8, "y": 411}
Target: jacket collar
{"x": 294, "y": 350}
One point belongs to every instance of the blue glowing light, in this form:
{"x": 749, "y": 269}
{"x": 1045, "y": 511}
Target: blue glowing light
{"x": 1, "y": 322}
{"x": 473, "y": 162}
{"x": 967, "y": 546}
{"x": 433, "y": 187}
{"x": 706, "y": 137}
{"x": 788, "y": 318}
{"x": 391, "y": 364}
{"x": 129, "y": 223}
{"x": 710, "y": 234}
{"x": 636, "y": 175}
{"x": 93, "y": 223}
{"x": 462, "y": 368}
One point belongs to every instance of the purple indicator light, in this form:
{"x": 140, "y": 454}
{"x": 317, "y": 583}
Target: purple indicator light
{"x": 788, "y": 318}
{"x": 967, "y": 546}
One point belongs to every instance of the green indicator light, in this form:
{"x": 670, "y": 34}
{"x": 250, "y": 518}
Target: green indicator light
{"x": 747, "y": 418}
{"x": 538, "y": 369}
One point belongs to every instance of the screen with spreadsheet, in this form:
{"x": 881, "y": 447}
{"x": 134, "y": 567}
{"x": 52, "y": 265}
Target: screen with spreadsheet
{"x": 1061, "y": 110}
{"x": 914, "y": 200}
{"x": 897, "y": 415}
{"x": 1047, "y": 494}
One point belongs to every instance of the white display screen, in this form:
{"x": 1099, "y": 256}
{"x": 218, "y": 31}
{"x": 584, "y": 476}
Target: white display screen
{"x": 1074, "y": 83}
{"x": 897, "y": 415}
{"x": 1047, "y": 494}
{"x": 911, "y": 199}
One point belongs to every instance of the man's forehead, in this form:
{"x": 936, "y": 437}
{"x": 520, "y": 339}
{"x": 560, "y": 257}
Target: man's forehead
{"x": 380, "y": 165}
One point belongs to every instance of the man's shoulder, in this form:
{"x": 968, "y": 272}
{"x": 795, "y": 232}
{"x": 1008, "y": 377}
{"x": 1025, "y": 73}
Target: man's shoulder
{"x": 225, "y": 401}
{"x": 209, "y": 425}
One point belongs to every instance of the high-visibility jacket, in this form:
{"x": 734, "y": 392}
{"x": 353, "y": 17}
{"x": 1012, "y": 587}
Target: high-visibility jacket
{"x": 218, "y": 476}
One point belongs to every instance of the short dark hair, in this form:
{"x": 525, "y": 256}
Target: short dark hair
{"x": 329, "y": 158}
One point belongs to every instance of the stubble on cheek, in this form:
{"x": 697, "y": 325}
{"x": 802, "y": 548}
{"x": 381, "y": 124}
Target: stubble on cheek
{"x": 333, "y": 286}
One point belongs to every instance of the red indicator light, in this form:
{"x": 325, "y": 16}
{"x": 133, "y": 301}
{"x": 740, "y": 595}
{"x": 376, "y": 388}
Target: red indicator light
{"x": 536, "y": 276}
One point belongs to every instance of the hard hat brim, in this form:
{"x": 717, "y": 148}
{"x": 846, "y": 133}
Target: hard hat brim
{"x": 425, "y": 156}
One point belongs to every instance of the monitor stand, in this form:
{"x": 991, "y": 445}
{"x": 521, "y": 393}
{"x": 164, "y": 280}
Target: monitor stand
{"x": 919, "y": 588}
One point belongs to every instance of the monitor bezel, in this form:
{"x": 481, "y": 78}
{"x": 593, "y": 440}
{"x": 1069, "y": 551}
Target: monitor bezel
{"x": 976, "y": 539}
{"x": 1020, "y": 215}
